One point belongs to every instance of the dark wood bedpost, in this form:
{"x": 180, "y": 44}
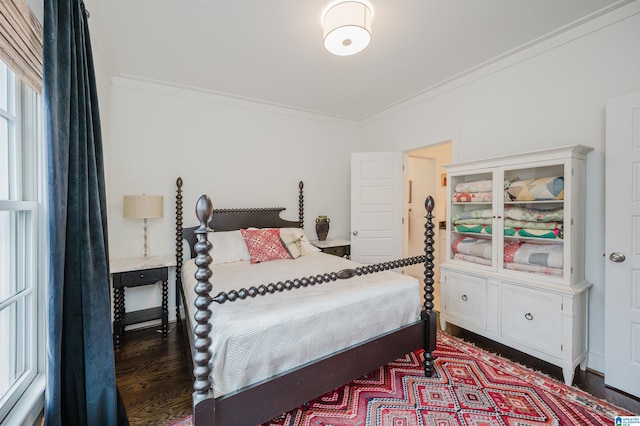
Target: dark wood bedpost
{"x": 202, "y": 389}
{"x": 301, "y": 205}
{"x": 179, "y": 253}
{"x": 428, "y": 314}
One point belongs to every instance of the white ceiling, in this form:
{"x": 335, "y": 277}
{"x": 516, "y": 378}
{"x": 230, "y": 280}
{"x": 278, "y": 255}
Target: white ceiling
{"x": 271, "y": 50}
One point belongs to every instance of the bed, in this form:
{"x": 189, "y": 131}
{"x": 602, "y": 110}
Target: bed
{"x": 272, "y": 335}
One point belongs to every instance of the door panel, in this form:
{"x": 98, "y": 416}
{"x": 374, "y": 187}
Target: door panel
{"x": 376, "y": 206}
{"x": 622, "y": 242}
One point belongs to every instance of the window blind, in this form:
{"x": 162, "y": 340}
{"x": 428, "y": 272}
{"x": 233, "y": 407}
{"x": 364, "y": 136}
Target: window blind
{"x": 21, "y": 41}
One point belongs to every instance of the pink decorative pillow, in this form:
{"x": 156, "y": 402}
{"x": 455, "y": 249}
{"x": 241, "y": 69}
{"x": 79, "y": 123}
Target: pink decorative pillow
{"x": 264, "y": 245}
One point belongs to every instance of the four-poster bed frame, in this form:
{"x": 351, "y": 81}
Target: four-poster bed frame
{"x": 267, "y": 399}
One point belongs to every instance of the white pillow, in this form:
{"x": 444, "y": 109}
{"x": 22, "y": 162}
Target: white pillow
{"x": 228, "y": 246}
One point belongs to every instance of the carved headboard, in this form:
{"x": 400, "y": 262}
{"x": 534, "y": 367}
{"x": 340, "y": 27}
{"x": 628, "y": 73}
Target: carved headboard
{"x": 234, "y": 219}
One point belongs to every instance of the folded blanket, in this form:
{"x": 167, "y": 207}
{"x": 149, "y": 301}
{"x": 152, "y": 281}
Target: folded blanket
{"x": 513, "y": 213}
{"x": 534, "y": 215}
{"x": 482, "y": 229}
{"x": 549, "y": 256}
{"x": 510, "y": 223}
{"x": 474, "y": 229}
{"x": 476, "y": 186}
{"x": 534, "y": 269}
{"x": 473, "y": 259}
{"x": 479, "y": 221}
{"x": 539, "y": 233}
{"x": 468, "y": 197}
{"x": 546, "y": 188}
{"x": 472, "y": 214}
{"x": 478, "y": 247}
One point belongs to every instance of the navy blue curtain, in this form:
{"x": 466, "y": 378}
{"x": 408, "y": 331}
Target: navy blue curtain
{"x": 81, "y": 383}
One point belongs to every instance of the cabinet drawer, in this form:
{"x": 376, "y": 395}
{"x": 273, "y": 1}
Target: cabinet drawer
{"x": 532, "y": 318}
{"x": 465, "y": 300}
{"x": 142, "y": 277}
{"x": 337, "y": 251}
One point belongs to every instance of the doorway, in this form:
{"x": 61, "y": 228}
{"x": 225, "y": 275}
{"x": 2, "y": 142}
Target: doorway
{"x": 426, "y": 176}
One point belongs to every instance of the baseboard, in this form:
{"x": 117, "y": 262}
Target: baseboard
{"x": 595, "y": 362}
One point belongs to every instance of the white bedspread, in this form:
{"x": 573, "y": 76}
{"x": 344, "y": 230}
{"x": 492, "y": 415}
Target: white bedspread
{"x": 257, "y": 338}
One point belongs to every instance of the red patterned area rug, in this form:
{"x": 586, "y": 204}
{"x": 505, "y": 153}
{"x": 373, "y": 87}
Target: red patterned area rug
{"x": 470, "y": 387}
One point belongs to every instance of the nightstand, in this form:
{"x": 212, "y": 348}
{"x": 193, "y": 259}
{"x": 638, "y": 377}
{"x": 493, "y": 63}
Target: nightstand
{"x": 335, "y": 247}
{"x": 135, "y": 273}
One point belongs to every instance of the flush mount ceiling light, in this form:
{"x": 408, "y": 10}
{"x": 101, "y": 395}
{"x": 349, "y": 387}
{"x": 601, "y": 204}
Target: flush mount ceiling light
{"x": 347, "y": 26}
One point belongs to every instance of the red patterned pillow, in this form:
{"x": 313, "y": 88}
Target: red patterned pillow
{"x": 264, "y": 245}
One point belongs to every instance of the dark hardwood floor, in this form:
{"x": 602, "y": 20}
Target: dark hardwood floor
{"x": 155, "y": 383}
{"x": 153, "y": 376}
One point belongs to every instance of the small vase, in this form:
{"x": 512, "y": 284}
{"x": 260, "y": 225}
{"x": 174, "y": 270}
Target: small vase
{"x": 322, "y": 227}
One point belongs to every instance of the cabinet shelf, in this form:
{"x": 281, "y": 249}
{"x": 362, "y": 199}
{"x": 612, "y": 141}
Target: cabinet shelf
{"x": 472, "y": 203}
{"x": 143, "y": 315}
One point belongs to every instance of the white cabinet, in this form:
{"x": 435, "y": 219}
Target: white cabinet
{"x": 515, "y": 244}
{"x": 466, "y": 301}
{"x": 530, "y": 318}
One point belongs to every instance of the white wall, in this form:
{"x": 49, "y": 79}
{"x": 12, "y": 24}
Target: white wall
{"x": 551, "y": 95}
{"x": 240, "y": 154}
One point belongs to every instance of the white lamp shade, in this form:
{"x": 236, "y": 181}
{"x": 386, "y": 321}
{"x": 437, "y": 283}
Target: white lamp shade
{"x": 347, "y": 26}
{"x": 143, "y": 206}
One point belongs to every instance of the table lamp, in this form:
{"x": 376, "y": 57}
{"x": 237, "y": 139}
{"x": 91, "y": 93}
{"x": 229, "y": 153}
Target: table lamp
{"x": 143, "y": 207}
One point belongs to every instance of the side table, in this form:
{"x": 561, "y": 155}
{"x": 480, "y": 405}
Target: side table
{"x": 336, "y": 247}
{"x": 138, "y": 272}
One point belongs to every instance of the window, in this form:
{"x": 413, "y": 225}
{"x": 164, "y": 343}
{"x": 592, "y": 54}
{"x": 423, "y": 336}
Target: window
{"x": 23, "y": 238}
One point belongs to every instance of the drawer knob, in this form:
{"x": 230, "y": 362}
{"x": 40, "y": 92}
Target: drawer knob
{"x": 528, "y": 316}
{"x": 464, "y": 297}
{"x": 141, "y": 275}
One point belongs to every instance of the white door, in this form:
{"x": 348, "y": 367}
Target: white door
{"x": 377, "y": 202}
{"x": 622, "y": 264}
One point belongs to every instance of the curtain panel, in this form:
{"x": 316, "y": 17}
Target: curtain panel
{"x": 21, "y": 41}
{"x": 81, "y": 384}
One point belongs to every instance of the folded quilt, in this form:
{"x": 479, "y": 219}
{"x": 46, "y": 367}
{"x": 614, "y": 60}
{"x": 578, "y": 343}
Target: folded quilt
{"x": 478, "y": 247}
{"x": 549, "y": 256}
{"x": 514, "y": 213}
{"x": 510, "y": 223}
{"x": 546, "y": 188}
{"x": 488, "y": 229}
{"x": 519, "y": 256}
{"x": 479, "y": 221}
{"x": 473, "y": 214}
{"x": 539, "y": 233}
{"x": 473, "y": 259}
{"x": 474, "y": 229}
{"x": 534, "y": 215}
{"x": 533, "y": 268}
{"x": 476, "y": 186}
{"x": 469, "y": 197}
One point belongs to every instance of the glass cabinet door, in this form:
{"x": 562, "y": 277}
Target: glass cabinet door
{"x": 472, "y": 218}
{"x": 533, "y": 221}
